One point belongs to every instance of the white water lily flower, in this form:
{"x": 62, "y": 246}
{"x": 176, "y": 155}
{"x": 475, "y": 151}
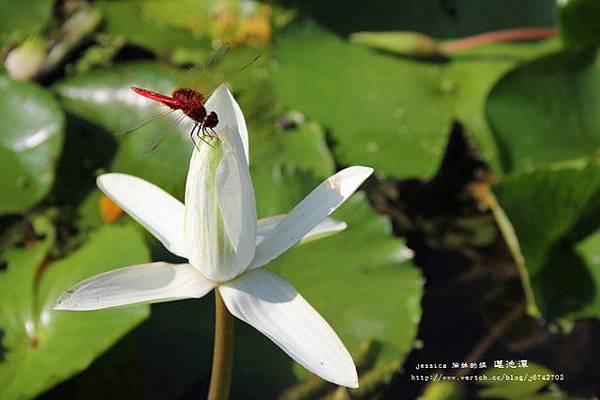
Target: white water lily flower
{"x": 218, "y": 233}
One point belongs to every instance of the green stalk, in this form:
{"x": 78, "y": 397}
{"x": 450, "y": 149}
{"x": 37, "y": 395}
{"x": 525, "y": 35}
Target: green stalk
{"x": 220, "y": 380}
{"x": 507, "y": 35}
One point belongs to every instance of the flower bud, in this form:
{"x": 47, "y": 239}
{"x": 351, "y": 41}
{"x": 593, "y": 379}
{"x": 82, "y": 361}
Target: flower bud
{"x": 27, "y": 60}
{"x": 220, "y": 220}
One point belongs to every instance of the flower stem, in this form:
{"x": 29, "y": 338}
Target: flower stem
{"x": 220, "y": 380}
{"x": 506, "y": 35}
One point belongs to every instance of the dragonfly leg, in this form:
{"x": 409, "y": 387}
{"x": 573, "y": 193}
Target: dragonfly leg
{"x": 213, "y": 134}
{"x": 202, "y": 133}
{"x": 192, "y": 136}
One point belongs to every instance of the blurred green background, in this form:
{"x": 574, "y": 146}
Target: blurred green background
{"x": 477, "y": 240}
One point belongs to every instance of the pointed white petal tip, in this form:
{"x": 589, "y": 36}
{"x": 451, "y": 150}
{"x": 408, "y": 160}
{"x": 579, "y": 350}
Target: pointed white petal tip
{"x": 309, "y": 213}
{"x": 349, "y": 179}
{"x": 230, "y": 115}
{"x": 143, "y": 283}
{"x": 270, "y": 304}
{"x": 349, "y": 381}
{"x": 327, "y": 227}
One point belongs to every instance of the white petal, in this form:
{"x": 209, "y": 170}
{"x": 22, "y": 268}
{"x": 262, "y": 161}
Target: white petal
{"x": 158, "y": 211}
{"x": 229, "y": 114}
{"x": 321, "y": 202}
{"x": 326, "y": 227}
{"x": 275, "y": 308}
{"x": 144, "y": 283}
{"x": 237, "y": 200}
{"x": 220, "y": 215}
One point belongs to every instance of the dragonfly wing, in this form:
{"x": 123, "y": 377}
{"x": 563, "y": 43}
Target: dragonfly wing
{"x": 201, "y": 72}
{"x": 218, "y": 69}
{"x": 162, "y": 112}
{"x": 161, "y": 134}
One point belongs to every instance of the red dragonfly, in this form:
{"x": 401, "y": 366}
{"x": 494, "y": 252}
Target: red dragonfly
{"x": 190, "y": 101}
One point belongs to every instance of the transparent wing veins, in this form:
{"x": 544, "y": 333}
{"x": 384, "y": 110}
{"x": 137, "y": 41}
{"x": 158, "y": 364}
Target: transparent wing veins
{"x": 154, "y": 142}
{"x": 140, "y": 124}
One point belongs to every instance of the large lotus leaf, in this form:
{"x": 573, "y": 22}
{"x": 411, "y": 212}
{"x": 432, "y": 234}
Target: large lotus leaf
{"x": 548, "y": 110}
{"x": 31, "y": 126}
{"x": 579, "y": 23}
{"x": 366, "y": 100}
{"x": 377, "y": 105}
{"x": 445, "y": 18}
{"x": 25, "y": 16}
{"x": 468, "y": 79}
{"x": 44, "y": 347}
{"x": 358, "y": 280}
{"x": 554, "y": 211}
